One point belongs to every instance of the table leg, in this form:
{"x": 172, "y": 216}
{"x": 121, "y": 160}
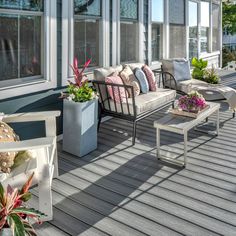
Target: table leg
{"x": 185, "y": 147}
{"x": 217, "y": 122}
{"x": 158, "y": 143}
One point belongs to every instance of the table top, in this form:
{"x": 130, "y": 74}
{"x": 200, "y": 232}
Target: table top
{"x": 180, "y": 124}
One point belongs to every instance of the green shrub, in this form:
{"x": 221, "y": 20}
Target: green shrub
{"x": 211, "y": 76}
{"x": 199, "y": 68}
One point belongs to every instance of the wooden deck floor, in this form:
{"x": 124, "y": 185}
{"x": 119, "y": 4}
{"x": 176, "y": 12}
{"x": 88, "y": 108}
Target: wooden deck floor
{"x": 123, "y": 190}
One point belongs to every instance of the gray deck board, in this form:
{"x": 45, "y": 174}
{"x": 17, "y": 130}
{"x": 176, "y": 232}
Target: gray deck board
{"x": 121, "y": 189}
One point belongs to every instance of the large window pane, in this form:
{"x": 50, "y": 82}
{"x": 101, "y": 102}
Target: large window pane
{"x": 177, "y": 41}
{"x": 30, "y": 46}
{"x": 20, "y": 46}
{"x": 8, "y": 47}
{"x": 86, "y": 41}
{"x": 30, "y": 5}
{"x": 193, "y": 30}
{"x": 176, "y": 12}
{"x": 177, "y": 30}
{"x": 205, "y": 24}
{"x": 85, "y": 7}
{"x": 129, "y": 9}
{"x": 215, "y": 27}
{"x": 157, "y": 44}
{"x": 158, "y": 10}
{"x": 129, "y": 41}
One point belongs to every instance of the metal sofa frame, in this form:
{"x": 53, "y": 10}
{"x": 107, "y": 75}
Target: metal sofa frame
{"x": 130, "y": 116}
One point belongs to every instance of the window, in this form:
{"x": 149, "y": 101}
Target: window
{"x": 215, "y": 27}
{"x": 205, "y": 25}
{"x": 193, "y": 29}
{"x": 157, "y": 29}
{"x": 87, "y": 28}
{"x": 128, "y": 30}
{"x": 177, "y": 30}
{"x": 21, "y": 42}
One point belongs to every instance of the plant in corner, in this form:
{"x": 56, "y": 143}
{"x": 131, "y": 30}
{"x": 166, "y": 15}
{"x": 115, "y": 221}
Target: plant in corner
{"x": 80, "y": 109}
{"x": 199, "y": 68}
{"x": 14, "y": 215}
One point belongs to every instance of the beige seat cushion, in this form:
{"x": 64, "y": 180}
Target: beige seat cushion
{"x": 129, "y": 78}
{"x": 144, "y": 102}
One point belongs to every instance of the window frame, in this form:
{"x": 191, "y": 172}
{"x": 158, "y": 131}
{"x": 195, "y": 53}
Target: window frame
{"x": 48, "y": 79}
{"x": 163, "y": 25}
{"x": 68, "y": 39}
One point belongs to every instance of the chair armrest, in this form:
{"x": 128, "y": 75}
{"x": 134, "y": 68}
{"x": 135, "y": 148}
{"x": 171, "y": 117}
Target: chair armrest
{"x": 27, "y": 144}
{"x": 30, "y": 116}
{"x": 167, "y": 76}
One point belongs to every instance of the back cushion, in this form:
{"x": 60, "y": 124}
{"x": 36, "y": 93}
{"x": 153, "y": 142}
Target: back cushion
{"x": 129, "y": 78}
{"x": 141, "y": 77}
{"x": 118, "y": 94}
{"x": 150, "y": 78}
{"x": 178, "y": 67}
{"x": 100, "y": 75}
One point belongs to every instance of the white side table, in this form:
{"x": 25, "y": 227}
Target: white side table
{"x": 181, "y": 125}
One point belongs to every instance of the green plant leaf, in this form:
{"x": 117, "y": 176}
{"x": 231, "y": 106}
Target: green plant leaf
{"x": 1, "y": 193}
{"x": 29, "y": 229}
{"x": 28, "y": 211}
{"x": 26, "y": 197}
{"x": 17, "y": 225}
{"x": 27, "y": 185}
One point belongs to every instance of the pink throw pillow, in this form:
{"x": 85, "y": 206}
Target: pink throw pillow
{"x": 120, "y": 94}
{"x": 150, "y": 77}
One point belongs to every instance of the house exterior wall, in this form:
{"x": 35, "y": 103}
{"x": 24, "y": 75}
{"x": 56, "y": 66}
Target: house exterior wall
{"x": 47, "y": 98}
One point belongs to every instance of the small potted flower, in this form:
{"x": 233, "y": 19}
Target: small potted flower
{"x": 14, "y": 215}
{"x": 192, "y": 102}
{"x": 80, "y": 108}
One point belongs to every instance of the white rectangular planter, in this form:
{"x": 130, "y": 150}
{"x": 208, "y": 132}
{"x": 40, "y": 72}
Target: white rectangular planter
{"x": 80, "y": 127}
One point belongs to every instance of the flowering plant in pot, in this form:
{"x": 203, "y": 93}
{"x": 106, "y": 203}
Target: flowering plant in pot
{"x": 79, "y": 91}
{"x": 80, "y": 108}
{"x": 14, "y": 215}
{"x": 192, "y": 102}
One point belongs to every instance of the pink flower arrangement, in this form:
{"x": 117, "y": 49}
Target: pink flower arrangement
{"x": 193, "y": 102}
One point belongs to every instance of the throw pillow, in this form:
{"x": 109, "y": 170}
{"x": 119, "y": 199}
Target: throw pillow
{"x": 118, "y": 94}
{"x": 7, "y": 134}
{"x": 141, "y": 77}
{"x": 150, "y": 77}
{"x": 129, "y": 78}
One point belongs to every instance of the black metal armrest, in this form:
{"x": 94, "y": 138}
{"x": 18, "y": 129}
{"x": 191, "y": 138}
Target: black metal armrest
{"x": 119, "y": 107}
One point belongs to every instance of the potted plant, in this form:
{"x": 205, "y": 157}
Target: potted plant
{"x": 199, "y": 68}
{"x": 14, "y": 215}
{"x": 80, "y": 108}
{"x": 192, "y": 102}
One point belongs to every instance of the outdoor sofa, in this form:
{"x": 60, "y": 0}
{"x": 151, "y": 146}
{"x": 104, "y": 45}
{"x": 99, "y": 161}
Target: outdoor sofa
{"x": 132, "y": 108}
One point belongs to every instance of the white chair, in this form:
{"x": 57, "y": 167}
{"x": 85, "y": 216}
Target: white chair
{"x": 45, "y": 165}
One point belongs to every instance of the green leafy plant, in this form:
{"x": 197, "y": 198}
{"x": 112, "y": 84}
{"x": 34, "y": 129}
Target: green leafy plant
{"x": 199, "y": 68}
{"x": 211, "y": 76}
{"x": 80, "y": 91}
{"x": 13, "y": 213}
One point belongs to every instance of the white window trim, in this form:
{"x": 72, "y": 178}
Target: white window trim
{"x": 49, "y": 80}
{"x": 68, "y": 38}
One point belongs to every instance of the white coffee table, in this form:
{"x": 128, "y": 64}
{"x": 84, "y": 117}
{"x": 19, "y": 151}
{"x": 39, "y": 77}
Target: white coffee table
{"x": 181, "y": 125}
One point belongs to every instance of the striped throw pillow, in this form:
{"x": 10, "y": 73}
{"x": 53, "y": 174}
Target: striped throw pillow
{"x": 150, "y": 77}
{"x": 118, "y": 94}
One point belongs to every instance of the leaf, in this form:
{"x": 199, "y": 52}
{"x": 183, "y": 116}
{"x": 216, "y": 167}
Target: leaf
{"x": 26, "y": 197}
{"x": 28, "y": 211}
{"x": 29, "y": 229}
{"x": 1, "y": 193}
{"x": 27, "y": 185}
{"x": 17, "y": 225}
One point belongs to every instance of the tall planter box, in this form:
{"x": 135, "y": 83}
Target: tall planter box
{"x": 80, "y": 127}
